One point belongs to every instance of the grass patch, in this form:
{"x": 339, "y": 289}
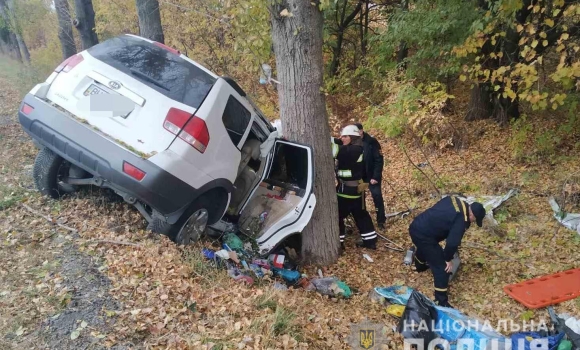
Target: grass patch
{"x": 266, "y": 301}
{"x": 10, "y": 196}
{"x": 208, "y": 273}
{"x": 21, "y": 76}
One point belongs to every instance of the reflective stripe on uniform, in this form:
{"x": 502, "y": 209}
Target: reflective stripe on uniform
{"x": 369, "y": 236}
{"x": 419, "y": 261}
{"x": 453, "y": 201}
{"x": 342, "y": 238}
{"x": 441, "y": 289}
{"x": 464, "y": 210}
{"x": 347, "y": 196}
{"x": 334, "y": 150}
{"x": 360, "y": 159}
{"x": 345, "y": 173}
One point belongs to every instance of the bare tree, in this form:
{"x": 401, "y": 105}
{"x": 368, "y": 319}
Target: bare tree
{"x": 150, "y": 20}
{"x": 297, "y": 39}
{"x": 85, "y": 23}
{"x": 65, "y": 32}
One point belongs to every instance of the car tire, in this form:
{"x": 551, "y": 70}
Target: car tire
{"x": 188, "y": 229}
{"x": 47, "y": 166}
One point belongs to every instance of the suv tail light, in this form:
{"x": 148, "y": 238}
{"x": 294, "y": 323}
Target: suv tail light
{"x": 133, "y": 171}
{"x": 69, "y": 63}
{"x": 27, "y": 109}
{"x": 193, "y": 132}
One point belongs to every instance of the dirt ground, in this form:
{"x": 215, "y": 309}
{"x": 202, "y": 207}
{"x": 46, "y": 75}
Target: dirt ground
{"x": 82, "y": 273}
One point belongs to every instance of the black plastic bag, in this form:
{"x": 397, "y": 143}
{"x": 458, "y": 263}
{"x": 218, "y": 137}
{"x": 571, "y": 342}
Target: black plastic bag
{"x": 418, "y": 321}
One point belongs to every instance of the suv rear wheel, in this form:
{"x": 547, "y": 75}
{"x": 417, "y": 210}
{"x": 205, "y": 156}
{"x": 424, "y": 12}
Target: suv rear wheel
{"x": 193, "y": 223}
{"x": 49, "y": 172}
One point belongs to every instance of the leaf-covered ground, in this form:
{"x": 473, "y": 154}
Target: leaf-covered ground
{"x": 141, "y": 291}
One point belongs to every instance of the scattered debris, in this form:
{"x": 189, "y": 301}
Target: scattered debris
{"x": 366, "y": 256}
{"x": 569, "y": 220}
{"x": 490, "y": 203}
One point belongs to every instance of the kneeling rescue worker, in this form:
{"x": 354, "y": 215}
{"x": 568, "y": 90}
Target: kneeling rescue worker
{"x": 447, "y": 220}
{"x": 348, "y": 153}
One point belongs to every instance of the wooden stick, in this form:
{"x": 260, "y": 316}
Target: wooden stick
{"x": 422, "y": 172}
{"x": 113, "y": 242}
{"x": 48, "y": 219}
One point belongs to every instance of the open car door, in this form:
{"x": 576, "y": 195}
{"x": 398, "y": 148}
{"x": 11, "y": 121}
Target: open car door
{"x": 281, "y": 205}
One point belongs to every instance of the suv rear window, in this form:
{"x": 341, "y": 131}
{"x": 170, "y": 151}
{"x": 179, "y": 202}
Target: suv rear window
{"x": 236, "y": 119}
{"x": 156, "y": 67}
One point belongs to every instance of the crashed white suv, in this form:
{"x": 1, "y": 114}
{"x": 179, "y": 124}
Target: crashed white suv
{"x": 186, "y": 147}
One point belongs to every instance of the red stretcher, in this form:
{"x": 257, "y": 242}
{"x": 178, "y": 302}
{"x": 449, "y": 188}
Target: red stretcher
{"x": 546, "y": 290}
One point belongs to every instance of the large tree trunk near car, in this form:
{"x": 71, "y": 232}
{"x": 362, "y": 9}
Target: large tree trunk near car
{"x": 150, "y": 20}
{"x": 298, "y": 49}
{"x": 65, "y": 32}
{"x": 480, "y": 106}
{"x": 85, "y": 23}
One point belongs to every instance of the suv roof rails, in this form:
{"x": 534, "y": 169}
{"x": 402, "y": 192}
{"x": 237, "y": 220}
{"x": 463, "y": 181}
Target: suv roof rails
{"x": 235, "y": 85}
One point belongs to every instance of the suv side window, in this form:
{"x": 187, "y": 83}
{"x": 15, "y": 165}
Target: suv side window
{"x": 236, "y": 119}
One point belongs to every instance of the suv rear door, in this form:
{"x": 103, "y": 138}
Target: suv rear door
{"x": 294, "y": 221}
{"x": 151, "y": 77}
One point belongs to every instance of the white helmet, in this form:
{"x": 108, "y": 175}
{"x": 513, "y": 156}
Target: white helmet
{"x": 350, "y": 130}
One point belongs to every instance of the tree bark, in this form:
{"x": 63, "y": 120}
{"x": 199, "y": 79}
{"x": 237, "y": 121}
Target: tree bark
{"x": 65, "y": 32}
{"x": 150, "y": 20}
{"x": 480, "y": 106}
{"x": 298, "y": 48}
{"x": 85, "y": 23}
{"x": 9, "y": 31}
{"x": 17, "y": 31}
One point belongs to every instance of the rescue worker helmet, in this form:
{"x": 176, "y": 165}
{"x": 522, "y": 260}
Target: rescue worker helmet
{"x": 350, "y": 130}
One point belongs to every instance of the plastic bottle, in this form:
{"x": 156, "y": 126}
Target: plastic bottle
{"x": 456, "y": 262}
{"x": 409, "y": 256}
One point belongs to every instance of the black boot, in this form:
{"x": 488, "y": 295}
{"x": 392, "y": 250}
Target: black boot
{"x": 441, "y": 299}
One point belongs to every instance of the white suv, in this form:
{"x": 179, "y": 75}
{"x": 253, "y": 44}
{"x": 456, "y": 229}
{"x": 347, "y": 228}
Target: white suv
{"x": 186, "y": 147}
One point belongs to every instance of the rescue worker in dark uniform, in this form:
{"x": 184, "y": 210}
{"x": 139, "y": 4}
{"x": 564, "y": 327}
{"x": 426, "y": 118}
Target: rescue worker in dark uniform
{"x": 374, "y": 163}
{"x": 447, "y": 220}
{"x": 348, "y": 154}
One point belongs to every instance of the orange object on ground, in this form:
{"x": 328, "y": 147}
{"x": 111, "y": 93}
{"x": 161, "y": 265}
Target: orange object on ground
{"x": 546, "y": 290}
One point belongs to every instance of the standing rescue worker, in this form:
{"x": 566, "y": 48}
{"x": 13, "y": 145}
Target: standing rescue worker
{"x": 447, "y": 220}
{"x": 374, "y": 162}
{"x": 348, "y": 155}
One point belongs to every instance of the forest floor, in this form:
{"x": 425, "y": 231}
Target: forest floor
{"x": 83, "y": 273}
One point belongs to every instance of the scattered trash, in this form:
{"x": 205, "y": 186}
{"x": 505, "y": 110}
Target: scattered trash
{"x": 248, "y": 246}
{"x": 402, "y": 214}
{"x": 279, "y": 286}
{"x": 289, "y": 276}
{"x": 565, "y": 345}
{"x": 277, "y": 260}
{"x": 569, "y": 220}
{"x": 320, "y": 273}
{"x": 391, "y": 244}
{"x": 223, "y": 254}
{"x": 233, "y": 241}
{"x": 238, "y": 276}
{"x": 418, "y": 312}
{"x": 454, "y": 324}
{"x": 331, "y": 286}
{"x": 396, "y": 310}
{"x": 490, "y": 203}
{"x": 527, "y": 337}
{"x": 234, "y": 257}
{"x": 306, "y": 284}
{"x": 409, "y": 256}
{"x": 376, "y": 297}
{"x": 366, "y": 256}
{"x": 263, "y": 216}
{"x": 546, "y": 290}
{"x": 262, "y": 263}
{"x": 209, "y": 254}
{"x": 574, "y": 324}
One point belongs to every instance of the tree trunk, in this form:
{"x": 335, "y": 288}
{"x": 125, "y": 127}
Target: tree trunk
{"x": 480, "y": 106}
{"x": 150, "y": 20}
{"x": 9, "y": 31}
{"x": 25, "y": 54}
{"x": 85, "y": 23}
{"x": 304, "y": 119}
{"x": 65, "y": 32}
{"x": 336, "y": 52}
{"x": 364, "y": 28}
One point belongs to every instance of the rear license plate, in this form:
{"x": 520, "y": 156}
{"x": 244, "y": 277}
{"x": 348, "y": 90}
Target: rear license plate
{"x": 94, "y": 90}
